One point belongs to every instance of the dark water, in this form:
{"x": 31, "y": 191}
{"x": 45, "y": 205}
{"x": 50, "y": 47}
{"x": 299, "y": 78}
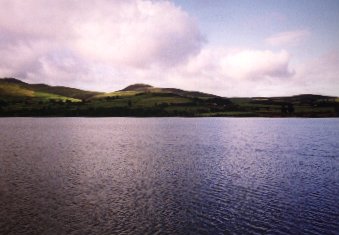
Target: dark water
{"x": 169, "y": 176}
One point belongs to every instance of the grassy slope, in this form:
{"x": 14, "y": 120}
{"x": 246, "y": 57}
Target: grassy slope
{"x": 116, "y": 94}
{"x": 64, "y": 91}
{"x": 141, "y": 96}
{"x": 15, "y": 88}
{"x": 9, "y": 91}
{"x": 18, "y": 98}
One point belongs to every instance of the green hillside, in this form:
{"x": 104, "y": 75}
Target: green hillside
{"x": 65, "y": 91}
{"x": 144, "y": 88}
{"x": 13, "y": 89}
{"x": 22, "y": 99}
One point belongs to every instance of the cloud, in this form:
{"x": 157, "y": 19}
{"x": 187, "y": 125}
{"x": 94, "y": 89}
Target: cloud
{"x": 256, "y": 64}
{"x": 68, "y": 35}
{"x": 242, "y": 64}
{"x": 140, "y": 34}
{"x": 320, "y": 75}
{"x": 288, "y": 38}
{"x": 233, "y": 72}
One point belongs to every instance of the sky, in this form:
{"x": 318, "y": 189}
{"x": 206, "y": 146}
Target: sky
{"x": 231, "y": 48}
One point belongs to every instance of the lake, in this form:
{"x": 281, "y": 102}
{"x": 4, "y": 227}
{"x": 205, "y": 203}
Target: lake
{"x": 169, "y": 176}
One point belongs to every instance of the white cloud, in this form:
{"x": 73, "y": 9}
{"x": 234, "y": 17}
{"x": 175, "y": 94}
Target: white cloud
{"x": 132, "y": 33}
{"x": 140, "y": 34}
{"x": 241, "y": 64}
{"x": 230, "y": 72}
{"x": 320, "y": 75}
{"x": 256, "y": 64}
{"x": 288, "y": 38}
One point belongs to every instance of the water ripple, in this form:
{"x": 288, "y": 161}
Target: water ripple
{"x": 169, "y": 176}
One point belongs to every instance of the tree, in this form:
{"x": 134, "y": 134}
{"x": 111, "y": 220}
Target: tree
{"x": 290, "y": 108}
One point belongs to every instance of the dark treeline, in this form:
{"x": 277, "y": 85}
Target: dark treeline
{"x": 29, "y": 107}
{"x": 168, "y": 104}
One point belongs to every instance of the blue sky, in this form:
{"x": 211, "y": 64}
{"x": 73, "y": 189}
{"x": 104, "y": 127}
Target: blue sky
{"x": 229, "y": 48}
{"x": 240, "y": 23}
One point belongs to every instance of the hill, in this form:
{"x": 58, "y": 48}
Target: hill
{"x": 18, "y": 98}
{"x": 138, "y": 87}
{"x": 11, "y": 87}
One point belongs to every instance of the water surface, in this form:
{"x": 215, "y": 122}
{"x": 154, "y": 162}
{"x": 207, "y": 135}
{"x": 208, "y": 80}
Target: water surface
{"x": 169, "y": 176}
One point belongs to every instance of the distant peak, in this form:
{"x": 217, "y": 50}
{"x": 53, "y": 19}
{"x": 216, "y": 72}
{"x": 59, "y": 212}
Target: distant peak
{"x": 137, "y": 87}
{"x": 12, "y": 80}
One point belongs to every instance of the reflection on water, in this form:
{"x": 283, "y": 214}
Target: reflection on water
{"x": 169, "y": 176}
